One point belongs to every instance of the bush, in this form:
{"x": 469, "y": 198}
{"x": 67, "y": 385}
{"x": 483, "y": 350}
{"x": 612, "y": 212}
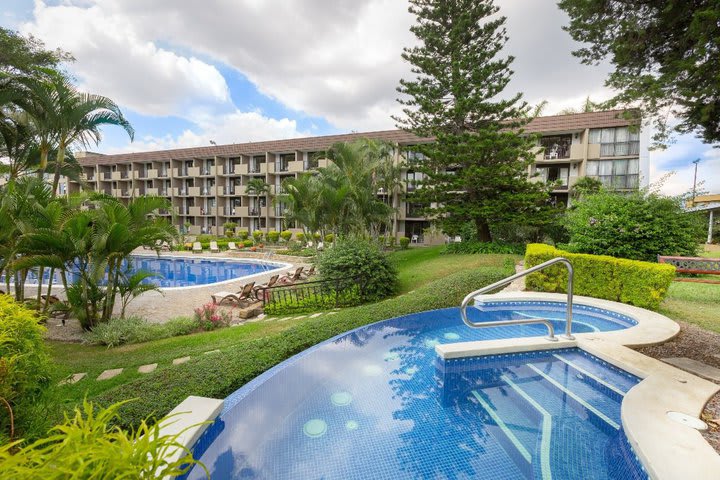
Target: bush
{"x": 642, "y": 284}
{"x": 300, "y": 237}
{"x": 634, "y": 226}
{"x": 357, "y": 258}
{"x": 247, "y": 243}
{"x": 205, "y": 238}
{"x": 242, "y": 235}
{"x": 312, "y": 303}
{"x": 473, "y": 247}
{"x": 229, "y": 228}
{"x": 404, "y": 242}
{"x": 88, "y": 446}
{"x": 286, "y": 235}
{"x": 24, "y": 360}
{"x": 225, "y": 372}
{"x": 257, "y": 235}
{"x": 273, "y": 236}
{"x": 329, "y": 238}
{"x": 211, "y": 317}
{"x": 121, "y": 331}
{"x": 391, "y": 242}
{"x": 316, "y": 237}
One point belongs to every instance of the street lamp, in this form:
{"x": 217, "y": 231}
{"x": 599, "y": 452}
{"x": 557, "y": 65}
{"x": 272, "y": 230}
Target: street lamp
{"x": 696, "y": 161}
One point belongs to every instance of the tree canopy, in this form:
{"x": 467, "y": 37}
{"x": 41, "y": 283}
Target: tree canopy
{"x": 665, "y": 55}
{"x": 476, "y": 169}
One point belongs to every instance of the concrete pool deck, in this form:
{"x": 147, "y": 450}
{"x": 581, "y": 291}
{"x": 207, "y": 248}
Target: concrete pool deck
{"x": 666, "y": 448}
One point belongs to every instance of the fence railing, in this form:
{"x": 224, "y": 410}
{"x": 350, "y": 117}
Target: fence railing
{"x": 328, "y": 293}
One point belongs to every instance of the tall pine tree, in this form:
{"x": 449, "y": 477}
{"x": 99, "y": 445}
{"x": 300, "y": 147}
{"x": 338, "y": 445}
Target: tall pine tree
{"x": 476, "y": 168}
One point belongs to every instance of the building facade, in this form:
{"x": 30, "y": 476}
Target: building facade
{"x": 207, "y": 186}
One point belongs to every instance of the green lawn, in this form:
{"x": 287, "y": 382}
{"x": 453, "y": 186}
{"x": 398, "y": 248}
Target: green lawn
{"x": 418, "y": 266}
{"x": 697, "y": 303}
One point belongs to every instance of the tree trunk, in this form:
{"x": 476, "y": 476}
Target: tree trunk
{"x": 49, "y": 290}
{"x": 483, "y": 230}
{"x": 58, "y": 162}
{"x": 41, "y": 271}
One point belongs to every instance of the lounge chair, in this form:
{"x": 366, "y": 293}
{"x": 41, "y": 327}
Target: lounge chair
{"x": 214, "y": 247}
{"x": 309, "y": 273}
{"x": 291, "y": 277}
{"x": 197, "y": 247}
{"x": 51, "y": 300}
{"x": 232, "y": 247}
{"x": 241, "y": 298}
{"x": 257, "y": 290}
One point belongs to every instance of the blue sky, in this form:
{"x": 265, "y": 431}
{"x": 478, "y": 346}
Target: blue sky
{"x": 187, "y": 72}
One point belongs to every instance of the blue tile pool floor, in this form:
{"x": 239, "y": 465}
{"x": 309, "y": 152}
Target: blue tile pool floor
{"x": 377, "y": 403}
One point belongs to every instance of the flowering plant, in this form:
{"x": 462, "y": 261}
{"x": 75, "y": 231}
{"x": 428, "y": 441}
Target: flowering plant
{"x": 211, "y": 317}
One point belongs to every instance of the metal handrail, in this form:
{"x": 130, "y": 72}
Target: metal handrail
{"x": 551, "y": 331}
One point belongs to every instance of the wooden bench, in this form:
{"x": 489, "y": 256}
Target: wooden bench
{"x": 695, "y": 265}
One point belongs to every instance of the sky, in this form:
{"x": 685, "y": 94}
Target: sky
{"x": 188, "y": 72}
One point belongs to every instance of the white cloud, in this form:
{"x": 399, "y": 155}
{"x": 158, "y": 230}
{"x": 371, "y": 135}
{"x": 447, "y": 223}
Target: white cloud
{"x": 235, "y": 127}
{"x": 113, "y": 60}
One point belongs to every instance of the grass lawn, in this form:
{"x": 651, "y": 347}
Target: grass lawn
{"x": 418, "y": 266}
{"x": 697, "y": 303}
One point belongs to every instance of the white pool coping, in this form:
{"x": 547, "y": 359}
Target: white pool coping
{"x": 667, "y": 449}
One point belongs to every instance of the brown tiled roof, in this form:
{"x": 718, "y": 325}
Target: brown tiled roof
{"x": 578, "y": 121}
{"x": 556, "y": 123}
{"x": 308, "y": 144}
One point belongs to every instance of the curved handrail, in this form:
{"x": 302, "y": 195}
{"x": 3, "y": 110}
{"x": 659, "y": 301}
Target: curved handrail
{"x": 551, "y": 331}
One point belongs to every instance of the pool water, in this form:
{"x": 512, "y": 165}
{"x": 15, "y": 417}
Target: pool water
{"x": 378, "y": 403}
{"x": 181, "y": 271}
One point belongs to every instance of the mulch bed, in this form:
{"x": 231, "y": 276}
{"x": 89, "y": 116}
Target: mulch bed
{"x": 701, "y": 345}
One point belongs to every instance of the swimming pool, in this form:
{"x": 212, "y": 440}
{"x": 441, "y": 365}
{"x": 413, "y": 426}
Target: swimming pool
{"x": 173, "y": 272}
{"x": 377, "y": 402}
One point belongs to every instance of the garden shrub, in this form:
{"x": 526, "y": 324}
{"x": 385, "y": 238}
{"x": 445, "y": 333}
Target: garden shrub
{"x": 211, "y": 317}
{"x": 247, "y": 243}
{"x": 404, "y": 242}
{"x": 357, "y": 258}
{"x": 286, "y": 235}
{"x": 300, "y": 237}
{"x": 642, "y": 284}
{"x": 391, "y": 242}
{"x": 317, "y": 237}
{"x": 24, "y": 359}
{"x": 472, "y": 247}
{"x": 273, "y": 236}
{"x": 635, "y": 226}
{"x": 205, "y": 238}
{"x": 329, "y": 238}
{"x": 86, "y": 445}
{"x": 218, "y": 375}
{"x": 121, "y": 331}
{"x": 229, "y": 228}
{"x": 242, "y": 235}
{"x": 312, "y": 303}
{"x": 257, "y": 235}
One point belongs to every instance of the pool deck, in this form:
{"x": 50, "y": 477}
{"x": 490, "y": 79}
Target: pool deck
{"x": 159, "y": 307}
{"x": 667, "y": 449}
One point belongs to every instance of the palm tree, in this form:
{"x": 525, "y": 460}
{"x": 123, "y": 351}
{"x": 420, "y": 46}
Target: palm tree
{"x": 62, "y": 116}
{"x": 258, "y": 188}
{"x": 303, "y": 199}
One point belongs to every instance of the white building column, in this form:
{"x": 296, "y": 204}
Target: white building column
{"x": 710, "y": 227}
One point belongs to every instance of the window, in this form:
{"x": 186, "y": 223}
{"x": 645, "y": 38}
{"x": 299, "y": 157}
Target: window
{"x": 615, "y": 142}
{"x": 414, "y": 156}
{"x": 284, "y": 161}
{"x": 618, "y": 174}
{"x": 313, "y": 160}
{"x": 412, "y": 178}
{"x": 555, "y": 173}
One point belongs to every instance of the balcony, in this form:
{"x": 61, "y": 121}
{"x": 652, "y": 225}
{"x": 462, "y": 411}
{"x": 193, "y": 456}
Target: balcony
{"x": 207, "y": 171}
{"x": 194, "y": 191}
{"x": 163, "y": 173}
{"x": 207, "y": 191}
{"x": 124, "y": 176}
{"x": 296, "y": 166}
{"x": 108, "y": 175}
{"x": 280, "y": 211}
{"x": 577, "y": 151}
{"x": 164, "y": 192}
{"x": 180, "y": 192}
{"x": 181, "y": 172}
{"x": 152, "y": 173}
{"x": 193, "y": 171}
{"x": 231, "y": 211}
{"x": 258, "y": 168}
{"x": 236, "y": 169}
{"x": 255, "y": 212}
{"x": 115, "y": 176}
{"x": 196, "y": 211}
{"x": 151, "y": 191}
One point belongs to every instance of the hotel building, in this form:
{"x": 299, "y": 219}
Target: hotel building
{"x": 207, "y": 186}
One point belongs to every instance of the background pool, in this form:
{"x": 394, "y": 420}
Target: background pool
{"x": 181, "y": 271}
{"x": 378, "y": 403}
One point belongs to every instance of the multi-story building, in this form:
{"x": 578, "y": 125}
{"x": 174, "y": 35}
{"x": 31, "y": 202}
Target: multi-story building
{"x": 207, "y": 186}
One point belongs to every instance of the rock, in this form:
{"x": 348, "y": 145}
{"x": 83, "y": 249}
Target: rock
{"x": 107, "y": 374}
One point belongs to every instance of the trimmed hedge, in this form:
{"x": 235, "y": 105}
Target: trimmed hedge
{"x": 219, "y": 375}
{"x": 642, "y": 284}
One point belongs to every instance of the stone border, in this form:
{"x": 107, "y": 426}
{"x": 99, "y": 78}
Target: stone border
{"x": 667, "y": 449}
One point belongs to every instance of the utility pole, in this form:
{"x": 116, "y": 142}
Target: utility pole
{"x": 696, "y": 161}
